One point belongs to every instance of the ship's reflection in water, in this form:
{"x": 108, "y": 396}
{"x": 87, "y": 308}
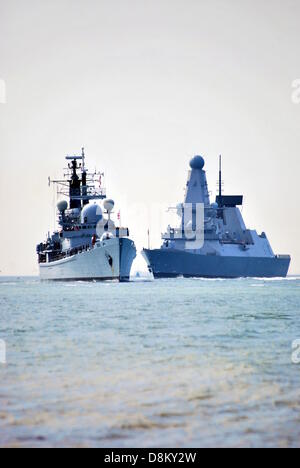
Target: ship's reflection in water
{"x": 169, "y": 363}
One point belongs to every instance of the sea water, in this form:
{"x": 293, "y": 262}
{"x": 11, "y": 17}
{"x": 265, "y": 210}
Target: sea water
{"x": 170, "y": 363}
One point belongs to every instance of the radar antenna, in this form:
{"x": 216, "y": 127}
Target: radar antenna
{"x": 83, "y": 159}
{"x": 220, "y": 177}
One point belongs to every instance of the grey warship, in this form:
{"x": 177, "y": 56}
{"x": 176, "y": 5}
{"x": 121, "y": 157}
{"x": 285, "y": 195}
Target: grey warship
{"x": 87, "y": 245}
{"x": 228, "y": 250}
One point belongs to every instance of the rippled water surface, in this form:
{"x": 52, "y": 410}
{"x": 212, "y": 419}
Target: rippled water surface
{"x": 150, "y": 364}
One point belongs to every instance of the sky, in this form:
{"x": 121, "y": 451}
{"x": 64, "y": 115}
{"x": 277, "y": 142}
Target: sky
{"x": 144, "y": 86}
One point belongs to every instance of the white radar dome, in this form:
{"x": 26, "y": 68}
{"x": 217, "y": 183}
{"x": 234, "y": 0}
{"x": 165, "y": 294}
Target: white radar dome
{"x": 62, "y": 206}
{"x": 109, "y": 205}
{"x": 91, "y": 214}
{"x": 106, "y": 236}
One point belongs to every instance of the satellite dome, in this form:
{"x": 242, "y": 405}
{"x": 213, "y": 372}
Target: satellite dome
{"x": 62, "y": 206}
{"x": 197, "y": 163}
{"x": 214, "y": 206}
{"x": 109, "y": 205}
{"x": 106, "y": 236}
{"x": 91, "y": 214}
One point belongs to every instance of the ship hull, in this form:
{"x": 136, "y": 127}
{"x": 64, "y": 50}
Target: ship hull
{"x": 175, "y": 263}
{"x": 111, "y": 260}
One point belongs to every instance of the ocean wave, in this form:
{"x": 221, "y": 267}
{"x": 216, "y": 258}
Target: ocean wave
{"x": 288, "y": 278}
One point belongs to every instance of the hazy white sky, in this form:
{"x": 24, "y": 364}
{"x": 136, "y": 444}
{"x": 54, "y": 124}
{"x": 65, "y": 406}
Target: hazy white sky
{"x": 145, "y": 85}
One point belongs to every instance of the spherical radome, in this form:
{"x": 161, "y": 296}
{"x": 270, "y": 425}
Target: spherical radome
{"x": 62, "y": 206}
{"x": 197, "y": 163}
{"x": 91, "y": 214}
{"x": 109, "y": 205}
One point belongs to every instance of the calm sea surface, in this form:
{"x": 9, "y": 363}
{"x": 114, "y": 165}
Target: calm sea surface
{"x": 183, "y": 363}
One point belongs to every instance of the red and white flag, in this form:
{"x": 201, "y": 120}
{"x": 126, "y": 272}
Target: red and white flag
{"x": 119, "y": 215}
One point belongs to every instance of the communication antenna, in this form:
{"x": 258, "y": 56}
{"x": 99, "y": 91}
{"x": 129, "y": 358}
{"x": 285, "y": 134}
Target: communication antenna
{"x": 220, "y": 176}
{"x": 83, "y": 158}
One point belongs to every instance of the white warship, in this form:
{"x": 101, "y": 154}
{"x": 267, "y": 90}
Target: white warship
{"x": 88, "y": 245}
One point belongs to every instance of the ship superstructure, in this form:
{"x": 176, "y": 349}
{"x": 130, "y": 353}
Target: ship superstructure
{"x": 87, "y": 245}
{"x": 228, "y": 250}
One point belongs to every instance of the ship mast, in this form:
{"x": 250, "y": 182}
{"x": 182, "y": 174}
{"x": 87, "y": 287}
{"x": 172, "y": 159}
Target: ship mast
{"x": 79, "y": 188}
{"x": 83, "y": 159}
{"x": 220, "y": 180}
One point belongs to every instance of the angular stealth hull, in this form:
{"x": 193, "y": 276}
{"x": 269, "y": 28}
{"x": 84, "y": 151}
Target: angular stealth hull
{"x": 212, "y": 240}
{"x": 109, "y": 260}
{"x": 175, "y": 263}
